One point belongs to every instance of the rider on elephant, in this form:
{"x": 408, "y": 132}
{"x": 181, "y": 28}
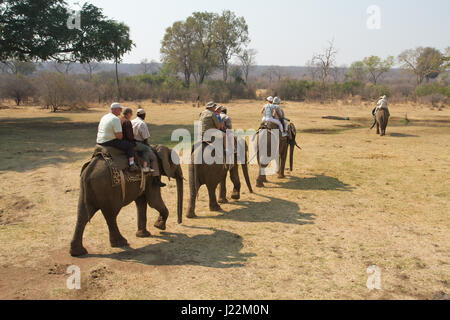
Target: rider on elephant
{"x": 141, "y": 136}
{"x": 110, "y": 134}
{"x": 227, "y": 121}
{"x": 382, "y": 104}
{"x": 279, "y": 114}
{"x": 268, "y": 111}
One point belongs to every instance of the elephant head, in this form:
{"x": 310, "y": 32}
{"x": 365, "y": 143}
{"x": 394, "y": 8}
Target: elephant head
{"x": 170, "y": 167}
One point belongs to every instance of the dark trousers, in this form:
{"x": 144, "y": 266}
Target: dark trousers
{"x": 123, "y": 145}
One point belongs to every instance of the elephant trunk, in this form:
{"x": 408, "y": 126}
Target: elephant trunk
{"x": 247, "y": 177}
{"x": 291, "y": 156}
{"x": 180, "y": 195}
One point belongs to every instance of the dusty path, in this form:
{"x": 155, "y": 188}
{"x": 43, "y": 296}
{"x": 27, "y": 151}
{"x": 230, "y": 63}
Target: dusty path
{"x": 354, "y": 200}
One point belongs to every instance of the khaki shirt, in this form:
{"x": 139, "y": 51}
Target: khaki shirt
{"x": 209, "y": 121}
{"x": 227, "y": 121}
{"x": 140, "y": 130}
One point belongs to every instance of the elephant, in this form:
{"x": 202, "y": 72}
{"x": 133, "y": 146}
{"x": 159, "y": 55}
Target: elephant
{"x": 97, "y": 193}
{"x": 282, "y": 148}
{"x": 382, "y": 120}
{"x": 212, "y": 176}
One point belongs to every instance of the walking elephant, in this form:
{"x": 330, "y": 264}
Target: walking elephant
{"x": 213, "y": 175}
{"x": 97, "y": 193}
{"x": 382, "y": 120}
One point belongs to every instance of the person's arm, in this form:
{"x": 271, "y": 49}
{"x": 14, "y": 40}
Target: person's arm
{"x": 263, "y": 109}
{"x": 118, "y": 128}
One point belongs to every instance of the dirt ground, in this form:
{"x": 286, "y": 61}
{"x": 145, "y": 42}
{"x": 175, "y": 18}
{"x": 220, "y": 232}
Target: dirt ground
{"x": 353, "y": 200}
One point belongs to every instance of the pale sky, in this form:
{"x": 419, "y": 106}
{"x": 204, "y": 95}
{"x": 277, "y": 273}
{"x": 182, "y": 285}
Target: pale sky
{"x": 289, "y": 32}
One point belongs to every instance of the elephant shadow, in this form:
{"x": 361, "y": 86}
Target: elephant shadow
{"x": 402, "y": 135}
{"x": 221, "y": 249}
{"x": 318, "y": 182}
{"x": 276, "y": 210}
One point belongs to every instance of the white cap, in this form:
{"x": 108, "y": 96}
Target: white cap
{"x": 270, "y": 99}
{"x": 116, "y": 105}
{"x": 140, "y": 112}
{"x": 276, "y": 100}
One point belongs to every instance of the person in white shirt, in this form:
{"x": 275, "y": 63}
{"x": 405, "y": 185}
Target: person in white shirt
{"x": 141, "y": 136}
{"x": 110, "y": 134}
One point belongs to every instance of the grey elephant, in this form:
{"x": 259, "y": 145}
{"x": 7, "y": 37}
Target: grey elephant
{"x": 97, "y": 193}
{"x": 212, "y": 176}
{"x": 284, "y": 143}
{"x": 382, "y": 120}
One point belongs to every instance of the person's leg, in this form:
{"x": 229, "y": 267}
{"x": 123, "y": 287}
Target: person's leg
{"x": 123, "y": 145}
{"x": 278, "y": 122}
{"x": 144, "y": 152}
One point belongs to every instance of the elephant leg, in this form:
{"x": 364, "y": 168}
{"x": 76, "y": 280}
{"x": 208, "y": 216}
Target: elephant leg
{"x": 115, "y": 237}
{"x": 378, "y": 128}
{"x": 141, "y": 206}
{"x": 234, "y": 175}
{"x": 213, "y": 205}
{"x": 223, "y": 190}
{"x": 156, "y": 202}
{"x": 283, "y": 157}
{"x": 76, "y": 246}
{"x": 193, "y": 189}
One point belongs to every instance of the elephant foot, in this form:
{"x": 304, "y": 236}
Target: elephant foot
{"x": 161, "y": 225}
{"x": 78, "y": 251}
{"x": 236, "y": 196}
{"x": 215, "y": 208}
{"x": 119, "y": 243}
{"x": 191, "y": 215}
{"x": 223, "y": 201}
{"x": 143, "y": 234}
{"x": 281, "y": 176}
{"x": 264, "y": 179}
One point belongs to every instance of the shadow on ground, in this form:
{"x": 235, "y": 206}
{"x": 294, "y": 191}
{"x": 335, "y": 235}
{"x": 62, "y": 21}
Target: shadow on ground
{"x": 221, "y": 249}
{"x": 275, "y": 210}
{"x": 318, "y": 182}
{"x": 402, "y": 135}
{"x": 33, "y": 143}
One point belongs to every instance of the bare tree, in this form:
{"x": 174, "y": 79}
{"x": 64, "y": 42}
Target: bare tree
{"x": 63, "y": 67}
{"x": 325, "y": 61}
{"x": 91, "y": 67}
{"x": 312, "y": 70}
{"x": 248, "y": 61}
{"x": 148, "y": 67}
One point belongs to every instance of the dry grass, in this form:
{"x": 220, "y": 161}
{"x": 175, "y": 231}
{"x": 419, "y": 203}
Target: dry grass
{"x": 353, "y": 200}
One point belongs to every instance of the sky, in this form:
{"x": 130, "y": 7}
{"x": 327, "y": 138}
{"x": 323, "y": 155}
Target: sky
{"x": 289, "y": 32}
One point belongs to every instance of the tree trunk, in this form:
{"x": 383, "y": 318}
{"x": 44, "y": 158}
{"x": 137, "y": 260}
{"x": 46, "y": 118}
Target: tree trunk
{"x": 117, "y": 80}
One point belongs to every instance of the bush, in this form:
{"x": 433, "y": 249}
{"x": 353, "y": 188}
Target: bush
{"x": 17, "y": 87}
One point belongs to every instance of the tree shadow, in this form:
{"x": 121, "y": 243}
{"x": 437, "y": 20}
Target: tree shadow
{"x": 276, "y": 210}
{"x": 402, "y": 135}
{"x": 221, "y": 249}
{"x": 33, "y": 143}
{"x": 318, "y": 182}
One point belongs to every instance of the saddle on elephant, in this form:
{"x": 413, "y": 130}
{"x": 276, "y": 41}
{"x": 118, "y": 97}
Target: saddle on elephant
{"x": 117, "y": 162}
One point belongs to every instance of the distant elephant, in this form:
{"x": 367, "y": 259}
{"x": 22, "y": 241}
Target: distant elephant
{"x": 382, "y": 120}
{"x": 212, "y": 176}
{"x": 97, "y": 193}
{"x": 282, "y": 149}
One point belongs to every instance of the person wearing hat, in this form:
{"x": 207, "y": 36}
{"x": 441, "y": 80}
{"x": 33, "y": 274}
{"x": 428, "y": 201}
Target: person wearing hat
{"x": 268, "y": 112}
{"x": 110, "y": 134}
{"x": 382, "y": 104}
{"x": 226, "y": 119}
{"x": 209, "y": 118}
{"x": 141, "y": 136}
{"x": 278, "y": 114}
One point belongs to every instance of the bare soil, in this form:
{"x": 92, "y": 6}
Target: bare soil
{"x": 353, "y": 200}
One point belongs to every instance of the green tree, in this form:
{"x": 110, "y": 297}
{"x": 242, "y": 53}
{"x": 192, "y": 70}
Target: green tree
{"x": 425, "y": 63}
{"x": 230, "y": 36}
{"x": 177, "y": 49}
{"x": 357, "y": 72}
{"x": 376, "y": 67}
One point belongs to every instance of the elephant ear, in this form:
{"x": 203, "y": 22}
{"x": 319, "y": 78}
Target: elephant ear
{"x": 169, "y": 169}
